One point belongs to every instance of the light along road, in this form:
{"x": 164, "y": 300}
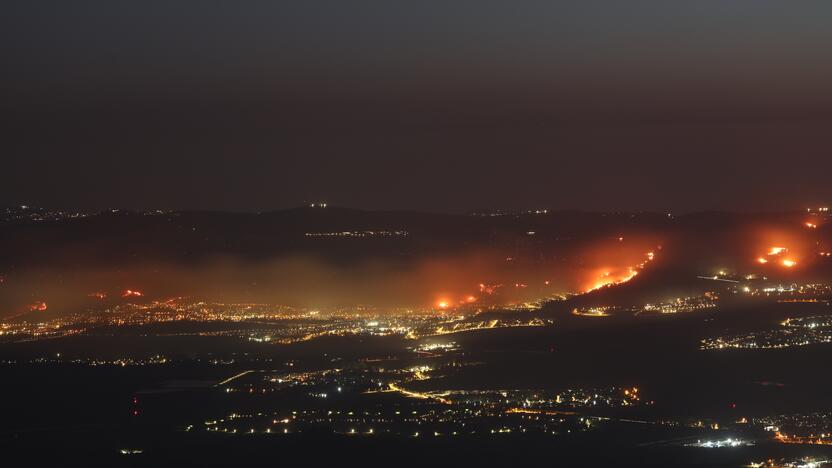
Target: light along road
{"x": 233, "y": 377}
{"x": 423, "y": 396}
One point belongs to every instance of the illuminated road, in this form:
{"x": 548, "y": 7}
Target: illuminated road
{"x": 422, "y": 396}
{"x": 233, "y": 377}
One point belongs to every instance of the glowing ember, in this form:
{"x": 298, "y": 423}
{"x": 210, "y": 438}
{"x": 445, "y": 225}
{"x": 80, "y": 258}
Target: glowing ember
{"x": 762, "y": 260}
{"x": 608, "y": 279}
{"x": 611, "y": 278}
{"x": 132, "y": 293}
{"x": 788, "y": 263}
{"x": 777, "y": 250}
{"x": 38, "y": 307}
{"x": 98, "y": 295}
{"x": 489, "y": 288}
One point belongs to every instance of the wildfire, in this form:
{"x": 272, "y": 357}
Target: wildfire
{"x": 609, "y": 278}
{"x": 489, "y": 288}
{"x": 442, "y": 304}
{"x": 98, "y": 295}
{"x": 781, "y": 260}
{"x": 38, "y": 307}
{"x": 131, "y": 293}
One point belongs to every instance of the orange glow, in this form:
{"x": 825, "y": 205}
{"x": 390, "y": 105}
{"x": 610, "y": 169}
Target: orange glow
{"x": 822, "y": 439}
{"x": 442, "y": 304}
{"x": 98, "y": 295}
{"x": 789, "y": 247}
{"x": 762, "y": 260}
{"x": 38, "y": 306}
{"x": 489, "y": 288}
{"x": 471, "y": 299}
{"x": 607, "y": 277}
{"x": 132, "y": 293}
{"x": 537, "y": 411}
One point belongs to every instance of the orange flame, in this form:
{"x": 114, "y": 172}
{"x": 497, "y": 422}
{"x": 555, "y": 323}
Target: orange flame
{"x": 38, "y": 306}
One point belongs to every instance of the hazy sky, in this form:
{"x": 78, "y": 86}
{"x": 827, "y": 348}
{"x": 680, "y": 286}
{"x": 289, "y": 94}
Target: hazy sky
{"x": 434, "y": 105}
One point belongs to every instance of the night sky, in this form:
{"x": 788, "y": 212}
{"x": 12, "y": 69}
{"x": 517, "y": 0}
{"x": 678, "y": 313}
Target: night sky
{"x": 428, "y": 105}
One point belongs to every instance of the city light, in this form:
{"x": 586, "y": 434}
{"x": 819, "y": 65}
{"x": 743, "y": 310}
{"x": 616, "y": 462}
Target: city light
{"x": 313, "y": 234}
{"x": 729, "y": 442}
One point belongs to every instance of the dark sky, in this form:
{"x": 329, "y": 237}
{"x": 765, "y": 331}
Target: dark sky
{"x": 432, "y": 105}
